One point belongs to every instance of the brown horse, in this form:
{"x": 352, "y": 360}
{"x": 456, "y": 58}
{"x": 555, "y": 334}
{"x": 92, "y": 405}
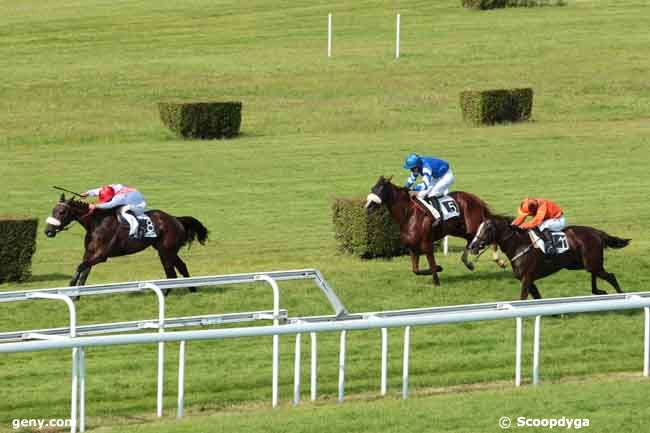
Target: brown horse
{"x": 106, "y": 237}
{"x": 529, "y": 264}
{"x": 416, "y": 223}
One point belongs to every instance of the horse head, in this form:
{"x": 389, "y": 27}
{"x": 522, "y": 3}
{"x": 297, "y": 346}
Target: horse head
{"x": 63, "y": 213}
{"x": 381, "y": 193}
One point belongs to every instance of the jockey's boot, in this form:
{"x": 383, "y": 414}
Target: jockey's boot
{"x": 436, "y": 205}
{"x": 548, "y": 242}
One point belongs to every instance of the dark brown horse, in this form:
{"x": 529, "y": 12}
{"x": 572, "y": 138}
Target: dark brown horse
{"x": 106, "y": 237}
{"x": 529, "y": 264}
{"x": 416, "y": 223}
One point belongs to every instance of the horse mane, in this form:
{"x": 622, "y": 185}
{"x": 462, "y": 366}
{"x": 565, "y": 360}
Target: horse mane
{"x": 82, "y": 205}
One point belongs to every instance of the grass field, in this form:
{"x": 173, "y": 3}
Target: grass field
{"x": 80, "y": 84}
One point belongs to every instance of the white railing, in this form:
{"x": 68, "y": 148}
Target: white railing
{"x": 343, "y": 323}
{"x": 157, "y": 286}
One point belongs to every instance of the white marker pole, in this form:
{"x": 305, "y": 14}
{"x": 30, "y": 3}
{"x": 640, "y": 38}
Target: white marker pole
{"x": 397, "y": 38}
{"x": 329, "y": 35}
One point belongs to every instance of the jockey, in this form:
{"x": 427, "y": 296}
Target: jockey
{"x": 128, "y": 201}
{"x": 437, "y": 177}
{"x": 547, "y": 217}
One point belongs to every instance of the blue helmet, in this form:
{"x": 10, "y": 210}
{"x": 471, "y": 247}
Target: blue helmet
{"x": 412, "y": 161}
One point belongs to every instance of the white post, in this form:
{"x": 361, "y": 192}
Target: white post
{"x": 536, "y": 338}
{"x": 445, "y": 241}
{"x": 518, "y": 353}
{"x": 397, "y": 37}
{"x": 314, "y": 353}
{"x": 161, "y": 345}
{"x": 82, "y": 389}
{"x": 181, "y": 379}
{"x": 296, "y": 373}
{"x": 329, "y": 35}
{"x": 646, "y": 354}
{"x": 405, "y": 368}
{"x": 342, "y": 367}
{"x": 75, "y": 354}
{"x": 276, "y": 338}
{"x": 384, "y": 360}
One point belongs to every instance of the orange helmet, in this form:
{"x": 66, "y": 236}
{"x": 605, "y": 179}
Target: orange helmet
{"x": 529, "y": 205}
{"x": 106, "y": 194}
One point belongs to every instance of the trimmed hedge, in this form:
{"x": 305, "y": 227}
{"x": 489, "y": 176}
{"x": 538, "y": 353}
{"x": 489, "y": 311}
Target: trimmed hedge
{"x": 17, "y": 246}
{"x": 362, "y": 235}
{"x": 496, "y": 4}
{"x": 488, "y": 107}
{"x": 204, "y": 120}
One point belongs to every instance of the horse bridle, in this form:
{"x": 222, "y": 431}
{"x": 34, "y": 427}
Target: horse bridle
{"x": 57, "y": 223}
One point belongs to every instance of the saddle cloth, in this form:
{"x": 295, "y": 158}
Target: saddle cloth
{"x": 560, "y": 241}
{"x": 145, "y": 225}
{"x": 448, "y": 206}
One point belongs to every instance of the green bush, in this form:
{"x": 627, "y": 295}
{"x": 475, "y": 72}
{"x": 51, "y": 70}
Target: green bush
{"x": 496, "y": 106}
{"x": 362, "y": 235}
{"x": 204, "y": 120}
{"x": 17, "y": 246}
{"x": 495, "y": 4}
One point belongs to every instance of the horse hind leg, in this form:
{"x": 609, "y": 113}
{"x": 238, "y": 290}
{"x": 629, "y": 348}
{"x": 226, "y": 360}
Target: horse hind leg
{"x": 434, "y": 269}
{"x": 182, "y": 268}
{"x": 611, "y": 279}
{"x": 167, "y": 262}
{"x": 534, "y": 291}
{"x": 594, "y": 288}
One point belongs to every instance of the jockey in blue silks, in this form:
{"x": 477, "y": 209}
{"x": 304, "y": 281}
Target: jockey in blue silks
{"x": 437, "y": 177}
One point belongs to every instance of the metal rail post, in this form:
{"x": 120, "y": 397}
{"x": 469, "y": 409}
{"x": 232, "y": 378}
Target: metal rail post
{"x": 161, "y": 345}
{"x": 314, "y": 360}
{"x": 276, "y": 338}
{"x": 384, "y": 360}
{"x": 405, "y": 368}
{"x": 76, "y": 370}
{"x": 536, "y": 343}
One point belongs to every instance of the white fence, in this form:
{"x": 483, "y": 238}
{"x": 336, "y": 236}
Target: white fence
{"x": 79, "y": 338}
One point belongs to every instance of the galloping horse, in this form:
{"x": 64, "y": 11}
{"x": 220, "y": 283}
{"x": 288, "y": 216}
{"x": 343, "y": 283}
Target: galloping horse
{"x": 415, "y": 222}
{"x": 106, "y": 237}
{"x": 529, "y": 264}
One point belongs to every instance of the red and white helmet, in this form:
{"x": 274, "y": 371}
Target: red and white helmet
{"x": 106, "y": 194}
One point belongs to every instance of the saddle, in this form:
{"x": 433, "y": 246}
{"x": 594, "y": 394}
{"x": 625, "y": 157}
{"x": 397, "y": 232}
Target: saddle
{"x": 445, "y": 207}
{"x": 146, "y": 228}
{"x": 557, "y": 241}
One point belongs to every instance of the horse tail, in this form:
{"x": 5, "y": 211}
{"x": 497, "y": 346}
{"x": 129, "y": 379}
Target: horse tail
{"x": 614, "y": 242}
{"x": 195, "y": 230}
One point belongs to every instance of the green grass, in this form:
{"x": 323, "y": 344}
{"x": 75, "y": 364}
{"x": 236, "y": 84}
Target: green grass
{"x": 605, "y": 404}
{"x": 80, "y": 85}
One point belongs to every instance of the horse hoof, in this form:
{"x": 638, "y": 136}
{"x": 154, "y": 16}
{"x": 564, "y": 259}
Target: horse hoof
{"x": 193, "y": 289}
{"x": 469, "y": 265}
{"x": 599, "y": 292}
{"x": 165, "y": 292}
{"x": 439, "y": 268}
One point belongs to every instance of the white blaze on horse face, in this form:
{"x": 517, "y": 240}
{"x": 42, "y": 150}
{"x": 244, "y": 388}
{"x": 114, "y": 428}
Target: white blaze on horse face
{"x": 372, "y": 198}
{"x": 53, "y": 221}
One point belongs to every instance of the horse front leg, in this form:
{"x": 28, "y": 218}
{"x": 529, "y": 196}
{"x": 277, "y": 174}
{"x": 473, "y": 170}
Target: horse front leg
{"x": 495, "y": 257}
{"x": 464, "y": 258}
{"x": 434, "y": 268}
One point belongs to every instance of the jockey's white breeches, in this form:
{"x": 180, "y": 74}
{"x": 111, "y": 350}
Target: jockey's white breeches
{"x": 553, "y": 224}
{"x": 441, "y": 186}
{"x": 137, "y": 207}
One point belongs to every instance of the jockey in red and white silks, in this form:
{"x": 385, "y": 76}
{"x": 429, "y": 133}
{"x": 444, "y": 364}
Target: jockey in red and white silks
{"x": 122, "y": 197}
